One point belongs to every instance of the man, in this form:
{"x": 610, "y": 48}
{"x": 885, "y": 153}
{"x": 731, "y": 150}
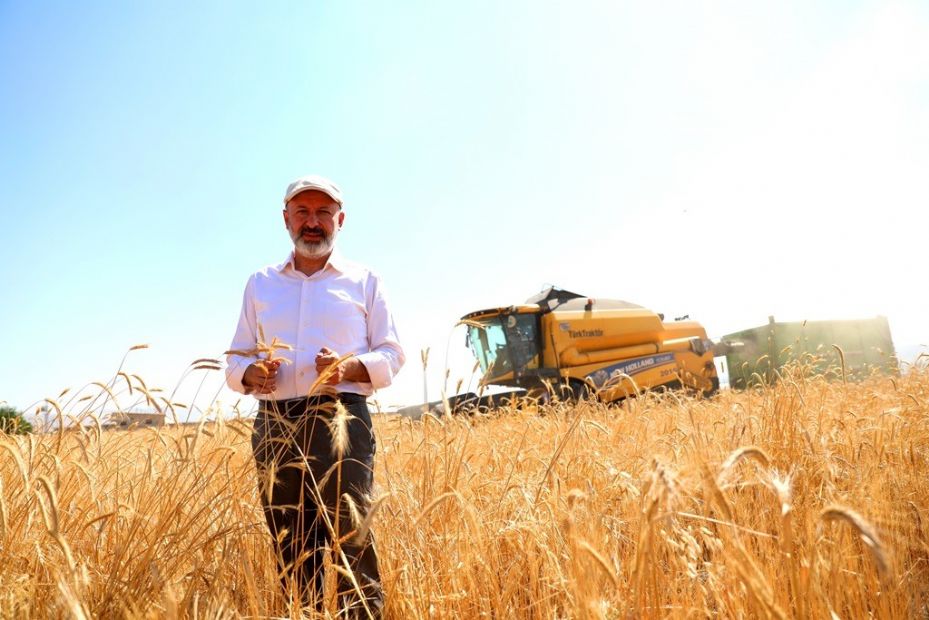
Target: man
{"x": 315, "y": 462}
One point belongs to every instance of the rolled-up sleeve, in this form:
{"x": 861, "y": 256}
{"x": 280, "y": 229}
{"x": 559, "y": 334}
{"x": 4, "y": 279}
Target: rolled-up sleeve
{"x": 385, "y": 357}
{"x": 246, "y": 336}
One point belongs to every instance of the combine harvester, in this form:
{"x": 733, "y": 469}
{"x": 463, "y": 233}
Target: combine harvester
{"x": 574, "y": 347}
{"x": 583, "y": 346}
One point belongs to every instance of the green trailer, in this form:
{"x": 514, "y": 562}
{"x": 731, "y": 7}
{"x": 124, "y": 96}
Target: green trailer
{"x": 758, "y": 353}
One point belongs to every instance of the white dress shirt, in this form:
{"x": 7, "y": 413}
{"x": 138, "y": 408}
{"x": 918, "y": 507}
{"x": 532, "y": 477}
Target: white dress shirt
{"x": 341, "y": 306}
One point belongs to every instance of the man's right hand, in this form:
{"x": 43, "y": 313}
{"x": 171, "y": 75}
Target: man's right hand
{"x": 261, "y": 377}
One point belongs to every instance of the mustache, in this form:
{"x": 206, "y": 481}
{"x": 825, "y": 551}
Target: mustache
{"x": 314, "y": 231}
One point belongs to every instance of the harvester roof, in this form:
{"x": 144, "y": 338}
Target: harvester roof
{"x": 556, "y": 299}
{"x": 599, "y": 304}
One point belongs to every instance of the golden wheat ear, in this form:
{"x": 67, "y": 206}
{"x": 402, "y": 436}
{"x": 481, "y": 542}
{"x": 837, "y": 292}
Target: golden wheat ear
{"x": 865, "y": 531}
{"x": 338, "y": 430}
{"x": 744, "y": 453}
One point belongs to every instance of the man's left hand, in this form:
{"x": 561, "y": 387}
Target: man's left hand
{"x": 349, "y": 370}
{"x": 327, "y": 361}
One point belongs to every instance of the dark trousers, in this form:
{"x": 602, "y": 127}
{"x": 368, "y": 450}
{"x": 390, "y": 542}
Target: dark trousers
{"x": 304, "y": 476}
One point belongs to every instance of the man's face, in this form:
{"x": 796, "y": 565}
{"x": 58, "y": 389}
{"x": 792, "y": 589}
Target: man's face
{"x": 313, "y": 220}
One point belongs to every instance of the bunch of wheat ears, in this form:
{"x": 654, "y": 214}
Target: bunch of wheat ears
{"x": 801, "y": 498}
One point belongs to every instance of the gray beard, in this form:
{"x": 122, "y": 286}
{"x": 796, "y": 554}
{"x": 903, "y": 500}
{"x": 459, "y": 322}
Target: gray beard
{"x": 310, "y": 249}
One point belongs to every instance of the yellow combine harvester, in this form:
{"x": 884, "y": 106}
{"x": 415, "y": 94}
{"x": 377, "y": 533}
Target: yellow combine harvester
{"x": 582, "y": 347}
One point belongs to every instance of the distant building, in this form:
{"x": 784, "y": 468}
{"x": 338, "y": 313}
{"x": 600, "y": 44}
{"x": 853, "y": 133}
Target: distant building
{"x": 134, "y": 419}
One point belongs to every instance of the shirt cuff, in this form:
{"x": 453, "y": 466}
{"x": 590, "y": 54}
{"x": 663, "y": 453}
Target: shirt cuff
{"x": 378, "y": 369}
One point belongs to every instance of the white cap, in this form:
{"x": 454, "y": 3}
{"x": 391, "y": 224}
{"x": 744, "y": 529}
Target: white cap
{"x": 313, "y": 182}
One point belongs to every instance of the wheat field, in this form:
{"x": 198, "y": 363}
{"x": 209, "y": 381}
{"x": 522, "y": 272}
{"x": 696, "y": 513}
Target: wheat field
{"x": 805, "y": 499}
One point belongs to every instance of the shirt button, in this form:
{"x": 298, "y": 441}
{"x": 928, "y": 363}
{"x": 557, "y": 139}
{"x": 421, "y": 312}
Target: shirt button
{"x": 301, "y": 373}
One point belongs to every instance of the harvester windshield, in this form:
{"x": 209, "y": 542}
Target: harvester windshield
{"x": 504, "y": 343}
{"x": 489, "y": 343}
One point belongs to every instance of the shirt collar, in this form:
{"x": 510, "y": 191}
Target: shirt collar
{"x": 336, "y": 261}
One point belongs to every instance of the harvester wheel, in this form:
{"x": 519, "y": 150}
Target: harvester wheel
{"x": 582, "y": 391}
{"x": 540, "y": 395}
{"x": 574, "y": 391}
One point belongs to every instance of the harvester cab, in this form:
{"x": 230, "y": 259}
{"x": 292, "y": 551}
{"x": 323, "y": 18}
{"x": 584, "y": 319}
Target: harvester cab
{"x": 505, "y": 342}
{"x": 582, "y": 347}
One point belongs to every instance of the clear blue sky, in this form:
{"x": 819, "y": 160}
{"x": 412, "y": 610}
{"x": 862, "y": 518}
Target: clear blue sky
{"x": 734, "y": 162}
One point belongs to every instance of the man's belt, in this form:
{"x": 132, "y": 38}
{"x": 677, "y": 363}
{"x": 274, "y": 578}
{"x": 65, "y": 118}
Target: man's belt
{"x": 308, "y": 403}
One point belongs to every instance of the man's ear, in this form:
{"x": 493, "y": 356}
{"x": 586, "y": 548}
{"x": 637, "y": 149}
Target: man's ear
{"x": 286, "y": 221}
{"x": 341, "y": 218}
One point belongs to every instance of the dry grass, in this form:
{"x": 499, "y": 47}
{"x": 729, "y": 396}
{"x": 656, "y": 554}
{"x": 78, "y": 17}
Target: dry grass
{"x": 801, "y": 500}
